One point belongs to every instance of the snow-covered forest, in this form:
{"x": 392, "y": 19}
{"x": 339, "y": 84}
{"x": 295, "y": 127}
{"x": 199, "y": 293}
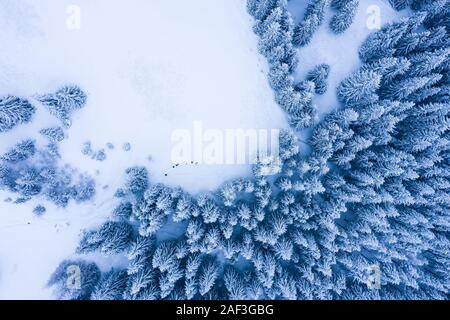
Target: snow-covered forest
{"x": 356, "y": 205}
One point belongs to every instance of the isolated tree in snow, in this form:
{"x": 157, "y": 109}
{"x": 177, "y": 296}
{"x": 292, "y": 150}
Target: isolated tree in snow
{"x": 14, "y": 111}
{"x": 39, "y": 210}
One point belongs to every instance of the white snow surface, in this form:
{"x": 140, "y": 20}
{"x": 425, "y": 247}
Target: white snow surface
{"x": 148, "y": 67}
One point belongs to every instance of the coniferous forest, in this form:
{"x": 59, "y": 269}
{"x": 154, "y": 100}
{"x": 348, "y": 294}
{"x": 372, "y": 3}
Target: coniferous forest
{"x": 371, "y": 194}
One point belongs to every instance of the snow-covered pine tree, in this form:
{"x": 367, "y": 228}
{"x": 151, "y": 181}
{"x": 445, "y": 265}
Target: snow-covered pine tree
{"x": 208, "y": 273}
{"x": 74, "y": 279}
{"x": 111, "y": 286}
{"x": 140, "y": 254}
{"x": 14, "y": 111}
{"x": 29, "y": 182}
{"x": 154, "y": 207}
{"x": 313, "y": 18}
{"x": 137, "y": 180}
{"x": 373, "y": 192}
{"x": 54, "y": 134}
{"x": 360, "y": 87}
{"x": 260, "y": 9}
{"x": 184, "y": 207}
{"x": 111, "y": 238}
{"x": 400, "y": 4}
{"x": 319, "y": 76}
{"x": 164, "y": 257}
{"x": 63, "y": 102}
{"x": 275, "y": 38}
{"x": 143, "y": 285}
{"x": 280, "y": 77}
{"x": 303, "y": 113}
{"x": 39, "y": 210}
{"x": 20, "y": 152}
{"x": 124, "y": 210}
{"x": 381, "y": 44}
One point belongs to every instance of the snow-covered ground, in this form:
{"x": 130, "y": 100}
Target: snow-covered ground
{"x": 148, "y": 67}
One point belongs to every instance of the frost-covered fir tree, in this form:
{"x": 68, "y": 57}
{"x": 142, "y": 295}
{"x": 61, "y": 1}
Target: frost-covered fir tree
{"x": 345, "y": 13}
{"x": 400, "y": 4}
{"x": 137, "y": 180}
{"x": 359, "y": 88}
{"x": 124, "y": 210}
{"x": 111, "y": 238}
{"x": 275, "y": 37}
{"x": 20, "y": 152}
{"x": 382, "y": 44}
{"x": 14, "y": 111}
{"x": 29, "y": 182}
{"x": 74, "y": 280}
{"x": 260, "y": 9}
{"x": 55, "y": 134}
{"x": 63, "y": 102}
{"x": 154, "y": 207}
{"x": 319, "y": 76}
{"x": 235, "y": 284}
{"x": 208, "y": 273}
{"x": 313, "y": 18}
{"x": 371, "y": 193}
{"x": 39, "y": 210}
{"x": 297, "y": 102}
{"x": 111, "y": 286}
